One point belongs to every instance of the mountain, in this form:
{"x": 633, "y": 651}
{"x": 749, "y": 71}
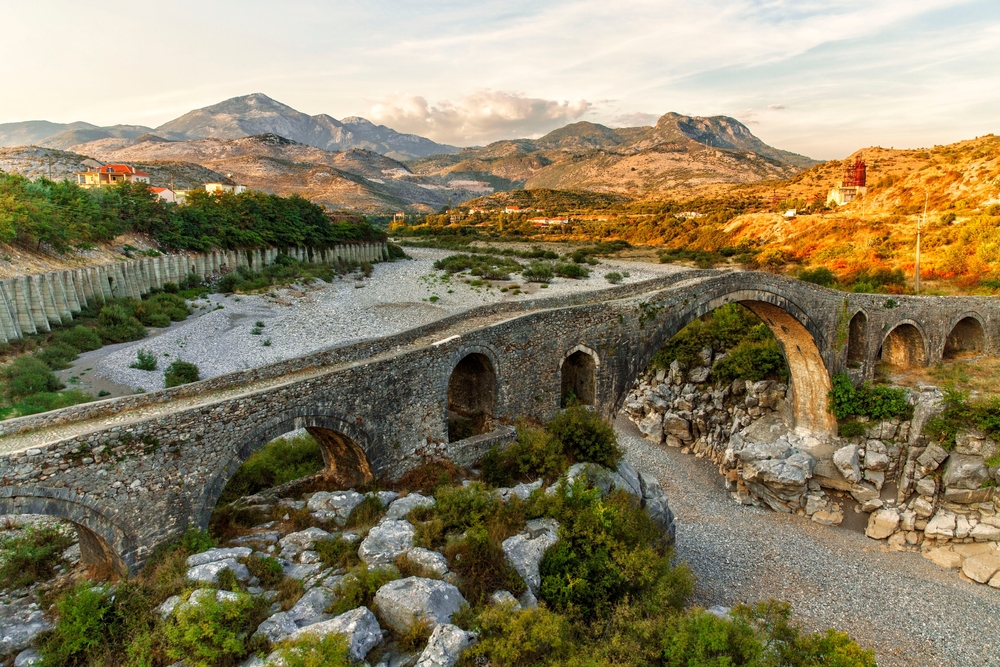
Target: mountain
{"x": 680, "y": 151}
{"x": 257, "y": 114}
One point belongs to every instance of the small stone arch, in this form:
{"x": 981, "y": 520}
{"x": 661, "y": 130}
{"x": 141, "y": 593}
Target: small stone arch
{"x": 578, "y": 369}
{"x": 904, "y": 346}
{"x": 471, "y": 392}
{"x": 347, "y": 451}
{"x": 857, "y": 340}
{"x": 967, "y": 335}
{"x": 105, "y": 547}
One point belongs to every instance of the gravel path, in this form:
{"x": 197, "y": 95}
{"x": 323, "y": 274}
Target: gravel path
{"x": 398, "y": 296}
{"x": 906, "y": 608}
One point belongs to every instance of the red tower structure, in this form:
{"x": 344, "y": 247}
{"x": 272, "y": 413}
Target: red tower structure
{"x": 855, "y": 175}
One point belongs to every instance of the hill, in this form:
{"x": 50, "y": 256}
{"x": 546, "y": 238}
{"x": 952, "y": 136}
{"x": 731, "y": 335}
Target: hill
{"x": 679, "y": 152}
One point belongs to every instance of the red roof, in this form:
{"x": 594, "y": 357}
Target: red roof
{"x": 121, "y": 169}
{"x": 158, "y": 190}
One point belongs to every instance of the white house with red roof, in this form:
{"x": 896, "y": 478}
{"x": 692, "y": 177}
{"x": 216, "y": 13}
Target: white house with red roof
{"x": 110, "y": 174}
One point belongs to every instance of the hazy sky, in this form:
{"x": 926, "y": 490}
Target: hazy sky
{"x": 819, "y": 78}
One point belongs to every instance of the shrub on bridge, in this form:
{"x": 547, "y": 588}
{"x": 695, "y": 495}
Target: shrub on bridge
{"x": 180, "y": 372}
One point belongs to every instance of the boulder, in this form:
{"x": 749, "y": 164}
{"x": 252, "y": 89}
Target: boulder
{"x": 882, "y": 524}
{"x": 700, "y": 374}
{"x": 524, "y": 490}
{"x": 293, "y": 544}
{"x": 310, "y": 607}
{"x": 793, "y": 471}
{"x": 944, "y": 557}
{"x": 445, "y": 646}
{"x": 828, "y": 517}
{"x": 654, "y": 500}
{"x": 677, "y": 426}
{"x": 209, "y": 572}
{"x": 505, "y": 598}
{"x": 599, "y": 476}
{"x": 276, "y": 627}
{"x": 968, "y": 496}
{"x": 652, "y": 427}
{"x": 965, "y": 472}
{"x": 846, "y": 460}
{"x": 631, "y": 478}
{"x": 984, "y": 532}
{"x": 863, "y": 492}
{"x": 27, "y": 658}
{"x": 941, "y": 526}
{"x": 213, "y": 555}
{"x": 762, "y": 451}
{"x": 524, "y": 551}
{"x": 981, "y": 568}
{"x": 386, "y": 541}
{"x": 402, "y": 601}
{"x": 927, "y": 487}
{"x": 17, "y": 635}
{"x": 336, "y": 505}
{"x": 359, "y": 626}
{"x": 932, "y": 458}
{"x": 923, "y": 508}
{"x": 431, "y": 561}
{"x": 403, "y": 506}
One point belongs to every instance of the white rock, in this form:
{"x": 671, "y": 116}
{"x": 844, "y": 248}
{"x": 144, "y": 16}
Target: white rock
{"x": 985, "y": 533}
{"x": 942, "y": 525}
{"x": 359, "y": 626}
{"x": 402, "y": 601}
{"x": 339, "y": 504}
{"x": 213, "y": 555}
{"x": 505, "y": 598}
{"x": 445, "y": 646}
{"x": 387, "y": 541}
{"x": 962, "y": 527}
{"x": 882, "y": 524}
{"x": 524, "y": 551}
{"x": 432, "y": 561}
{"x": 17, "y": 635}
{"x": 166, "y": 608}
{"x": 310, "y": 607}
{"x": 846, "y": 460}
{"x": 524, "y": 491}
{"x": 209, "y": 572}
{"x": 652, "y": 427}
{"x": 27, "y": 658}
{"x": 403, "y": 506}
{"x": 295, "y": 543}
{"x": 277, "y": 627}
{"x": 630, "y": 477}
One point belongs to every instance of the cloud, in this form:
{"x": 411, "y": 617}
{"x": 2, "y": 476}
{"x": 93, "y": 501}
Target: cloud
{"x": 775, "y": 107}
{"x": 633, "y": 119}
{"x": 479, "y": 118}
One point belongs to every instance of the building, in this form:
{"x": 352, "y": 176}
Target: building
{"x": 852, "y": 186}
{"x": 227, "y": 188}
{"x": 170, "y": 196}
{"x": 110, "y": 174}
{"x": 549, "y": 222}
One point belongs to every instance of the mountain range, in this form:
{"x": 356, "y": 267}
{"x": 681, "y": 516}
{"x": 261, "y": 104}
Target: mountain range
{"x": 355, "y": 164}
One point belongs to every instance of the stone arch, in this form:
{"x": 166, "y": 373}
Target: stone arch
{"x": 967, "y": 335}
{"x": 857, "y": 339}
{"x": 472, "y": 390}
{"x": 105, "y": 546}
{"x": 347, "y": 451}
{"x": 801, "y": 341}
{"x": 578, "y": 369}
{"x": 904, "y": 346}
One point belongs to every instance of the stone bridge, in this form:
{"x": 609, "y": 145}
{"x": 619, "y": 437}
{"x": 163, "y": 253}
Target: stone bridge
{"x": 135, "y": 471}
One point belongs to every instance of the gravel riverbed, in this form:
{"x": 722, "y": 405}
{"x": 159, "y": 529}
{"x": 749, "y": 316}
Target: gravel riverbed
{"x": 910, "y": 611}
{"x": 302, "y": 319}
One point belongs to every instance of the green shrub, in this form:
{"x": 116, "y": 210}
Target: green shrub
{"x": 586, "y": 436}
{"x": 145, "y": 361}
{"x": 180, "y": 372}
{"x": 278, "y": 462}
{"x": 851, "y": 429}
{"x": 614, "y": 277}
{"x": 58, "y": 356}
{"x": 358, "y": 587}
{"x": 367, "y": 513}
{"x": 821, "y": 276}
{"x": 31, "y": 556}
{"x": 571, "y": 270}
{"x": 755, "y": 361}
{"x": 83, "y": 621}
{"x": 83, "y": 339}
{"x": 117, "y": 325}
{"x": 395, "y": 251}
{"x": 958, "y": 413}
{"x": 337, "y": 552}
{"x": 536, "y": 453}
{"x": 538, "y": 272}
{"x": 46, "y": 401}
{"x": 700, "y": 638}
{"x": 510, "y": 638}
{"x": 722, "y": 329}
{"x": 196, "y": 540}
{"x": 875, "y": 402}
{"x": 265, "y": 568}
{"x": 28, "y": 375}
{"x": 213, "y": 633}
{"x": 480, "y": 561}
{"x": 311, "y": 651}
{"x": 170, "y": 288}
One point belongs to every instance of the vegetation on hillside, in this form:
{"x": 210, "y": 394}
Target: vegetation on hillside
{"x": 63, "y": 215}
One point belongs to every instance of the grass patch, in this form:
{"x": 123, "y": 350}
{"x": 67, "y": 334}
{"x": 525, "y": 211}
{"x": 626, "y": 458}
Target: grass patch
{"x": 358, "y": 588}
{"x": 31, "y": 556}
{"x": 180, "y": 372}
{"x": 280, "y": 461}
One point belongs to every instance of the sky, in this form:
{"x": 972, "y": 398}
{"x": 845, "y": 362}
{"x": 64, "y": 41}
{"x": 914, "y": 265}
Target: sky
{"x": 819, "y": 78}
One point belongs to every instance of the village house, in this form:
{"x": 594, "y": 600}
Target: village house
{"x": 110, "y": 174}
{"x": 170, "y": 196}
{"x": 227, "y": 188}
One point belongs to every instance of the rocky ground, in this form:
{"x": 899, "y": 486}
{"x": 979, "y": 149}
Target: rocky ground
{"x": 398, "y": 296}
{"x": 908, "y": 609}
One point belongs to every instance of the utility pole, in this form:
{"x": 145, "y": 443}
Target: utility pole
{"x": 916, "y": 268}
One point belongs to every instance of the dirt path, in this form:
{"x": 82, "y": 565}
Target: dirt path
{"x": 906, "y": 608}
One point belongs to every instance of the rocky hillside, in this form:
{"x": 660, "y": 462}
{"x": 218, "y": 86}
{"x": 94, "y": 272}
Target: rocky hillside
{"x": 680, "y": 151}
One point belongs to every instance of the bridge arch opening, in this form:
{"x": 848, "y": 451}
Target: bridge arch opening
{"x": 472, "y": 396}
{"x": 903, "y": 348}
{"x": 579, "y": 378}
{"x": 965, "y": 338}
{"x": 857, "y": 340}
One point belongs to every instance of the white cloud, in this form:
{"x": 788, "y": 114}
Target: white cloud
{"x": 633, "y": 119}
{"x": 479, "y": 118}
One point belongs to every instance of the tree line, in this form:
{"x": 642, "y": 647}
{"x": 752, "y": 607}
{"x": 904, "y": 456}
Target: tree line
{"x": 62, "y": 215}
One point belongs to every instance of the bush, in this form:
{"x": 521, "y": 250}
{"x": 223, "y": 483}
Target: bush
{"x": 722, "y": 329}
{"x": 819, "y": 276}
{"x": 31, "y": 556}
{"x": 265, "y": 568}
{"x": 336, "y": 552}
{"x": 84, "y": 616}
{"x": 214, "y": 633}
{"x": 752, "y": 361}
{"x": 538, "y": 272}
{"x": 586, "y": 436}
{"x": 117, "y": 325}
{"x": 278, "y": 462}
{"x": 27, "y": 376}
{"x": 367, "y": 513}
{"x": 958, "y": 413}
{"x": 480, "y": 561}
{"x": 145, "y": 361}
{"x": 358, "y": 588}
{"x": 83, "y": 339}
{"x": 395, "y": 251}
{"x": 180, "y": 372}
{"x": 58, "y": 356}
{"x": 311, "y": 651}
{"x": 571, "y": 270}
{"x": 614, "y": 277}
{"x": 510, "y": 638}
{"x": 171, "y": 288}
{"x": 700, "y": 638}
{"x": 46, "y": 401}
{"x": 875, "y": 402}
{"x": 536, "y": 453}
